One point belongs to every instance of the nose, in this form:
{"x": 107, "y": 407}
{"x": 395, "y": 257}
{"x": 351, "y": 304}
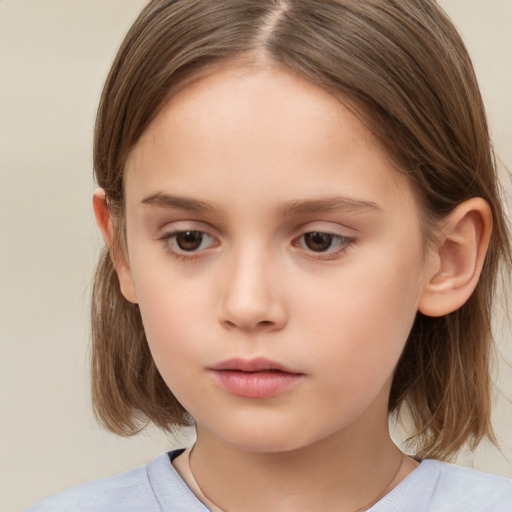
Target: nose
{"x": 252, "y": 296}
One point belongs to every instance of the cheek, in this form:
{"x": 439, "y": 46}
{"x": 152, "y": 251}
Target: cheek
{"x": 168, "y": 308}
{"x": 176, "y": 337}
{"x": 364, "y": 318}
{"x": 171, "y": 314}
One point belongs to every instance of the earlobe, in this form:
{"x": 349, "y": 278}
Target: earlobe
{"x": 458, "y": 258}
{"x": 119, "y": 259}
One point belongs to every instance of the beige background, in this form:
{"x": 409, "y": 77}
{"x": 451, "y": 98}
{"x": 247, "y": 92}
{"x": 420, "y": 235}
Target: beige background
{"x": 54, "y": 56}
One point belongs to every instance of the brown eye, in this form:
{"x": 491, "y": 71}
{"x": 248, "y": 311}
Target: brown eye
{"x": 188, "y": 244}
{"x": 318, "y": 242}
{"x": 189, "y": 240}
{"x": 325, "y": 245}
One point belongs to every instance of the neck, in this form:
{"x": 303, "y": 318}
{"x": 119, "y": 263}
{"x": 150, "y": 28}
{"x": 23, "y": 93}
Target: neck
{"x": 346, "y": 472}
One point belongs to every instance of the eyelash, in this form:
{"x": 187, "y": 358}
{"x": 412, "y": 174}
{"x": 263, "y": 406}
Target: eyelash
{"x": 171, "y": 244}
{"x": 343, "y": 242}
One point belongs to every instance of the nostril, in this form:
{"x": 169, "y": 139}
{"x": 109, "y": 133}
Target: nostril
{"x": 263, "y": 324}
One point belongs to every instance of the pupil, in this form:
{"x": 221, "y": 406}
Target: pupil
{"x": 318, "y": 241}
{"x": 189, "y": 240}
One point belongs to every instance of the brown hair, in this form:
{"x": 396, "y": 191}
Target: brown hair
{"x": 401, "y": 65}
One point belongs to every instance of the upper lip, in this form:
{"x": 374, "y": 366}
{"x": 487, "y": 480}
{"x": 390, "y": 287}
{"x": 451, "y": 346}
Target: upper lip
{"x": 257, "y": 364}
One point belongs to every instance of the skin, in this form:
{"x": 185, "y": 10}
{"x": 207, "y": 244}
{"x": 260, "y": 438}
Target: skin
{"x": 255, "y": 158}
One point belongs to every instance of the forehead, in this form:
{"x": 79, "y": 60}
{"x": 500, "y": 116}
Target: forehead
{"x": 259, "y": 128}
{"x": 253, "y": 94}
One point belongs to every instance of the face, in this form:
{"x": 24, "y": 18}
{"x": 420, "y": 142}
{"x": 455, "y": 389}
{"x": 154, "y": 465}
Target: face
{"x": 276, "y": 256}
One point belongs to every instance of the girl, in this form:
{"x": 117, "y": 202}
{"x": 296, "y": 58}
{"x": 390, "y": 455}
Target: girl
{"x": 303, "y": 234}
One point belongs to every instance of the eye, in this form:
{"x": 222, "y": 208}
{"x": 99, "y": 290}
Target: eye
{"x": 190, "y": 241}
{"x": 320, "y": 242}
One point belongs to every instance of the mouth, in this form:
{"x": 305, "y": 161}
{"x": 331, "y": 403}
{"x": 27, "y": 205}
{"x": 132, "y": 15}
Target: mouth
{"x": 258, "y": 364}
{"x": 255, "y": 378}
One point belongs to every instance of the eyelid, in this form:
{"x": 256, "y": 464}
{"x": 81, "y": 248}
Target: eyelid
{"x": 345, "y": 240}
{"x": 179, "y": 226}
{"x": 171, "y": 246}
{"x": 336, "y": 230}
{"x": 168, "y": 233}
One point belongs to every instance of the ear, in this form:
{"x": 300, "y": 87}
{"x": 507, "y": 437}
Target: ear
{"x": 119, "y": 259}
{"x": 458, "y": 258}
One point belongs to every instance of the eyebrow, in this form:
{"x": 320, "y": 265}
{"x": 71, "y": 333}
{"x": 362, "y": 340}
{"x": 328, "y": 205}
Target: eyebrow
{"x": 183, "y": 203}
{"x": 289, "y": 208}
{"x": 329, "y": 204}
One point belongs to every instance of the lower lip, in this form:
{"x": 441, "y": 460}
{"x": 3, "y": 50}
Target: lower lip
{"x": 256, "y": 384}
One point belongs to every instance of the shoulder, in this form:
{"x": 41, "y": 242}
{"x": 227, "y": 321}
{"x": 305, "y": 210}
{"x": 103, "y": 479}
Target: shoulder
{"x": 440, "y": 487}
{"x": 131, "y": 491}
{"x": 467, "y": 490}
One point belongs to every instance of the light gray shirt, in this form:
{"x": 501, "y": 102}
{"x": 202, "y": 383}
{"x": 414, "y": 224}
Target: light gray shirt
{"x": 432, "y": 487}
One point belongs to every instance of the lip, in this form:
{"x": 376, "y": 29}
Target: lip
{"x": 254, "y": 378}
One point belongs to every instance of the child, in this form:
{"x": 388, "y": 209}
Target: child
{"x": 303, "y": 234}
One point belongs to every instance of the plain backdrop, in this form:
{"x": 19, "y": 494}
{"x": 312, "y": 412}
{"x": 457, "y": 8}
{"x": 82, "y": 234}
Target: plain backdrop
{"x": 54, "y": 57}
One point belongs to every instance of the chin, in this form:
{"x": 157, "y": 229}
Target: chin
{"x": 265, "y": 439}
